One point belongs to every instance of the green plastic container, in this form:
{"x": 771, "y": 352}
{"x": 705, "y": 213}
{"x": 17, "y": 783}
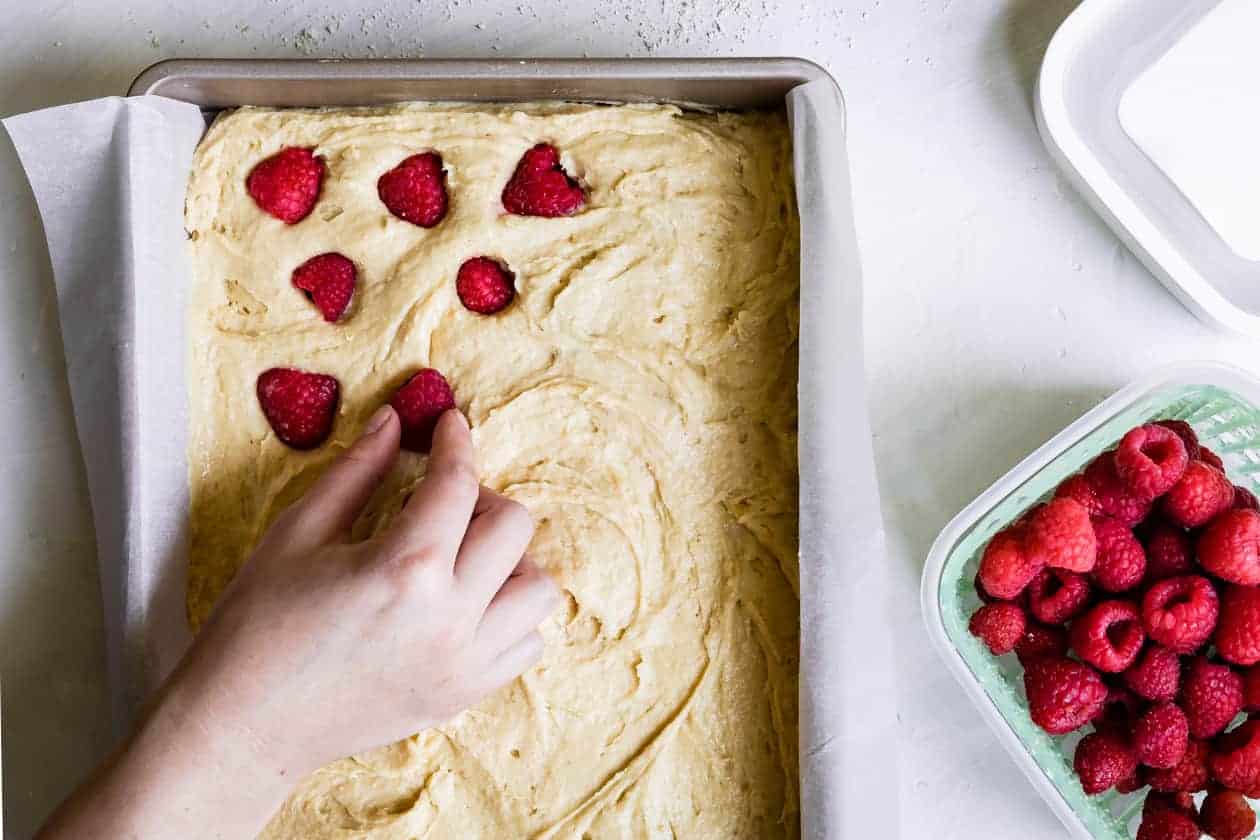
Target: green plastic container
{"x": 1222, "y": 403}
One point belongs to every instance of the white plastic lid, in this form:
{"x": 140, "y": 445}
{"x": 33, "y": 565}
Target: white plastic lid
{"x": 1152, "y": 109}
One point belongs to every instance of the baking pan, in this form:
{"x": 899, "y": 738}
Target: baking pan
{"x": 847, "y": 775}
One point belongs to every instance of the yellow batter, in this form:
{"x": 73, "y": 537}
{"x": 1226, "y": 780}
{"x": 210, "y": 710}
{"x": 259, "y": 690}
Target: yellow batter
{"x": 639, "y": 397}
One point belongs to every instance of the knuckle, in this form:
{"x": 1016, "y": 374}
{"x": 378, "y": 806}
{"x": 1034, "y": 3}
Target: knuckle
{"x": 516, "y": 517}
{"x": 456, "y": 476}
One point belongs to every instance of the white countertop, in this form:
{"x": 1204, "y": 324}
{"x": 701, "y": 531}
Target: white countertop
{"x": 998, "y": 309}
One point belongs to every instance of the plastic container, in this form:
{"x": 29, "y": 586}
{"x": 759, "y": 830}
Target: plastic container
{"x": 1098, "y": 52}
{"x": 1222, "y": 403}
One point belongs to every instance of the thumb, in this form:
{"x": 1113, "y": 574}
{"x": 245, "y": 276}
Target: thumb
{"x": 330, "y": 507}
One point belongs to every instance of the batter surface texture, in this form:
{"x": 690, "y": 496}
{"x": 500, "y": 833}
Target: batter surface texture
{"x": 638, "y": 396}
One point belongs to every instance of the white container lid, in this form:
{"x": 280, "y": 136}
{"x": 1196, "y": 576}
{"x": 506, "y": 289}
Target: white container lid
{"x": 1152, "y": 109}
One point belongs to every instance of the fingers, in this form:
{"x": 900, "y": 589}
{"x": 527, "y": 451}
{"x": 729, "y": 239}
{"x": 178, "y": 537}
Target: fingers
{"x": 496, "y": 539}
{"x": 437, "y": 514}
{"x": 518, "y": 608}
{"x": 511, "y": 663}
{"x": 330, "y": 507}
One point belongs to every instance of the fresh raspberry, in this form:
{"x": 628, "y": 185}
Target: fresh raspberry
{"x": 1210, "y": 458}
{"x": 1251, "y": 688}
{"x": 1169, "y": 552}
{"x": 1114, "y": 498}
{"x": 1000, "y": 626}
{"x": 541, "y": 187}
{"x": 420, "y": 401}
{"x": 1102, "y": 759}
{"x": 1078, "y": 487}
{"x": 1235, "y": 758}
{"x": 415, "y": 190}
{"x": 1041, "y": 640}
{"x": 1211, "y": 696}
{"x": 1156, "y": 675}
{"x": 1163, "y": 819}
{"x": 1121, "y": 562}
{"x": 1161, "y": 736}
{"x": 1244, "y": 499}
{"x": 1238, "y": 635}
{"x": 1063, "y": 694}
{"x": 1061, "y": 534}
{"x": 328, "y": 282}
{"x": 1189, "y": 776}
{"x": 484, "y": 285}
{"x": 1180, "y": 612}
{"x": 1150, "y": 459}
{"x": 1230, "y": 547}
{"x": 1226, "y": 815}
{"x": 286, "y": 185}
{"x": 1199, "y": 495}
{"x": 1109, "y": 636}
{"x": 299, "y": 405}
{"x": 1006, "y": 567}
{"x": 1056, "y": 596}
{"x": 1186, "y": 432}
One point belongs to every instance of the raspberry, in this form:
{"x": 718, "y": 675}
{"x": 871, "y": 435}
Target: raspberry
{"x": 1189, "y": 776}
{"x": 1169, "y": 552}
{"x": 1238, "y": 635}
{"x": 1161, "y": 736}
{"x": 1180, "y": 612}
{"x": 1121, "y": 561}
{"x": 541, "y": 187}
{"x": 1164, "y": 819}
{"x": 1000, "y": 626}
{"x": 1114, "y": 498}
{"x": 1198, "y": 496}
{"x": 1078, "y": 487}
{"x": 1156, "y": 675}
{"x": 415, "y": 190}
{"x": 1006, "y": 568}
{"x": 286, "y": 185}
{"x": 1210, "y": 458}
{"x": 1211, "y": 696}
{"x": 1061, "y": 534}
{"x": 328, "y": 282}
{"x": 1041, "y": 640}
{"x": 299, "y": 405}
{"x": 1186, "y": 432}
{"x": 1102, "y": 760}
{"x": 1226, "y": 815}
{"x": 1150, "y": 459}
{"x": 1251, "y": 688}
{"x": 420, "y": 401}
{"x": 1244, "y": 499}
{"x": 484, "y": 285}
{"x": 1235, "y": 758}
{"x": 1230, "y": 547}
{"x": 1055, "y": 595}
{"x": 1109, "y": 636}
{"x": 1063, "y": 694}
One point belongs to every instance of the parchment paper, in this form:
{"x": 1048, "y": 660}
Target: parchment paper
{"x": 109, "y": 178}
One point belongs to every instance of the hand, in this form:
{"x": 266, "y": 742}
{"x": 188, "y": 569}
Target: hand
{"x": 321, "y": 647}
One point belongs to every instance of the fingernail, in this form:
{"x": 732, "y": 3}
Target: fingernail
{"x": 462, "y": 419}
{"x": 378, "y": 420}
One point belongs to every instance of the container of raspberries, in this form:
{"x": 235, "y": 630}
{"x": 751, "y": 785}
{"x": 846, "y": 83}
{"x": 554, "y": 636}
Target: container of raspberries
{"x": 1100, "y": 604}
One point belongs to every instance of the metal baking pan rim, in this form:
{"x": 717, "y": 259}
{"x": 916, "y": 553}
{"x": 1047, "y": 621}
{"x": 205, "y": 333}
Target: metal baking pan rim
{"x": 698, "y": 82}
